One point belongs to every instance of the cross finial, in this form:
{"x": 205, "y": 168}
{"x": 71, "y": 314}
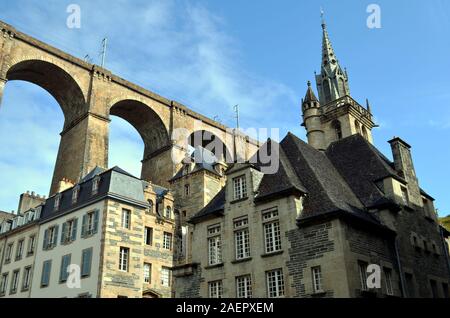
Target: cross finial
{"x": 322, "y": 16}
{"x": 309, "y": 83}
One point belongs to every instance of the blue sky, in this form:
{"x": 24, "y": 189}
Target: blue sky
{"x": 211, "y": 55}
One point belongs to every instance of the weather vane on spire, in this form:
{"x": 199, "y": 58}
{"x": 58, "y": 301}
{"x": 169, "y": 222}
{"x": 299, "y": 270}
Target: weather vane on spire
{"x": 322, "y": 14}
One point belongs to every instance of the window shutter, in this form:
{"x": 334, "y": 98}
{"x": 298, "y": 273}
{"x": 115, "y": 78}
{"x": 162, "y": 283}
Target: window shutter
{"x": 86, "y": 262}
{"x": 83, "y": 226}
{"x": 74, "y": 230}
{"x": 45, "y": 240}
{"x": 64, "y": 233}
{"x": 96, "y": 215}
{"x": 55, "y": 238}
{"x": 46, "y": 273}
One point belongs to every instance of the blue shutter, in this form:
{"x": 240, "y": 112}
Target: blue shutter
{"x": 64, "y": 232}
{"x": 83, "y": 226}
{"x": 55, "y": 238}
{"x": 46, "y": 269}
{"x": 65, "y": 262}
{"x": 86, "y": 262}
{"x": 44, "y": 247}
{"x": 74, "y": 230}
{"x": 96, "y": 215}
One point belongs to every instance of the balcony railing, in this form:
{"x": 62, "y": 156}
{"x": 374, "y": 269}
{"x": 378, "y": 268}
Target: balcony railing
{"x": 343, "y": 101}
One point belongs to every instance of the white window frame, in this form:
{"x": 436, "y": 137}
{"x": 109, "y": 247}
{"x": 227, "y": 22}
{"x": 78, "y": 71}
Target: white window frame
{"x": 15, "y": 282}
{"x": 95, "y": 185}
{"x": 239, "y": 187}
{"x": 167, "y": 241}
{"x": 275, "y": 283}
{"x": 244, "y": 286}
{"x": 57, "y": 202}
{"x": 214, "y": 245}
{"x": 126, "y": 219}
{"x": 148, "y": 234}
{"x": 316, "y": 273}
{"x": 31, "y": 245}
{"x": 165, "y": 276}
{"x": 124, "y": 259}
{"x": 242, "y": 239}
{"x": 272, "y": 236}
{"x": 215, "y": 289}
{"x": 19, "y": 249}
{"x": 147, "y": 273}
{"x": 26, "y": 281}
{"x": 4, "y": 283}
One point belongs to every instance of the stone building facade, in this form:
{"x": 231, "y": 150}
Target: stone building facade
{"x": 110, "y": 235}
{"x": 336, "y": 212}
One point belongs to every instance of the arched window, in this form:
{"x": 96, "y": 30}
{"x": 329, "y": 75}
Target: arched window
{"x": 168, "y": 212}
{"x": 364, "y": 133}
{"x": 357, "y": 127}
{"x": 337, "y": 129}
{"x": 327, "y": 91}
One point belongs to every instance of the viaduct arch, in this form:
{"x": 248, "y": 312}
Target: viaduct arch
{"x": 88, "y": 95}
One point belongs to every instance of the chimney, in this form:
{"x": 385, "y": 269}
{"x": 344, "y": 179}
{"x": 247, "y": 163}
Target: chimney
{"x": 29, "y": 201}
{"x": 64, "y": 184}
{"x": 404, "y": 165}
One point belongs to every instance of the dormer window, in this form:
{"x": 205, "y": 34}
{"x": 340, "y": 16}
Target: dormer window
{"x": 57, "y": 202}
{"x": 75, "y": 194}
{"x": 240, "y": 188}
{"x": 168, "y": 212}
{"x": 95, "y": 185}
{"x": 37, "y": 212}
{"x": 150, "y": 206}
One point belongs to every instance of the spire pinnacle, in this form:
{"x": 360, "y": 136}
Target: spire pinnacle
{"x": 322, "y": 14}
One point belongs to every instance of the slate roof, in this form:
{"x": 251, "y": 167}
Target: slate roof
{"x": 204, "y": 160}
{"x": 114, "y": 182}
{"x": 340, "y": 181}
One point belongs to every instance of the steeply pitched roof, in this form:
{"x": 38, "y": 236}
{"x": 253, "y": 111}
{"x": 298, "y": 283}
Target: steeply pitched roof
{"x": 327, "y": 190}
{"x": 214, "y": 207}
{"x": 204, "y": 160}
{"x": 361, "y": 165}
{"x": 310, "y": 96}
{"x": 283, "y": 181}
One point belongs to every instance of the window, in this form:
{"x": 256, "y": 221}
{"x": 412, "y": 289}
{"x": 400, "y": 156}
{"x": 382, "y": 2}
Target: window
{"x": 95, "y": 185}
{"x": 388, "y": 278}
{"x": 148, "y": 236}
{"x": 405, "y": 196}
{"x": 31, "y": 244}
{"x": 168, "y": 212}
{"x": 8, "y": 253}
{"x": 69, "y": 231}
{"x": 165, "y": 276}
{"x": 363, "y": 275}
{"x": 63, "y": 274}
{"x": 410, "y": 289}
{"x": 3, "y": 284}
{"x": 147, "y": 273}
{"x": 337, "y": 129}
{"x": 272, "y": 232}
{"x": 239, "y": 188}
{"x": 434, "y": 290}
{"x": 187, "y": 190}
{"x": 214, "y": 245}
{"x": 19, "y": 249}
{"x": 126, "y": 217}
{"x": 364, "y": 133}
{"x": 14, "y": 282}
{"x": 57, "y": 202}
{"x": 50, "y": 237}
{"x": 86, "y": 261}
{"x": 46, "y": 270}
{"x": 26, "y": 278}
{"x": 75, "y": 194}
{"x": 124, "y": 259}
{"x": 90, "y": 224}
{"x": 150, "y": 206}
{"x": 215, "y": 289}
{"x": 244, "y": 286}
{"x": 242, "y": 239}
{"x": 275, "y": 283}
{"x": 317, "y": 279}
{"x": 167, "y": 241}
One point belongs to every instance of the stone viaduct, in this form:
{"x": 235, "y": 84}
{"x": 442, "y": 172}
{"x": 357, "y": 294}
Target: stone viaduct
{"x": 89, "y": 94}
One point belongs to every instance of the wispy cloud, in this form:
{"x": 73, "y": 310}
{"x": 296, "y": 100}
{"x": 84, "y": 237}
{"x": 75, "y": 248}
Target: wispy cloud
{"x": 179, "y": 49}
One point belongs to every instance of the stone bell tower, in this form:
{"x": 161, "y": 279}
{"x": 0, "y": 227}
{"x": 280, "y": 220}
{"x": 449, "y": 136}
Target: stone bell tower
{"x": 335, "y": 114}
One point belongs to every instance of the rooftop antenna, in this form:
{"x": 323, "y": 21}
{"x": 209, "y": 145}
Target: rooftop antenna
{"x": 88, "y": 59}
{"x": 103, "y": 53}
{"x": 236, "y": 110}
